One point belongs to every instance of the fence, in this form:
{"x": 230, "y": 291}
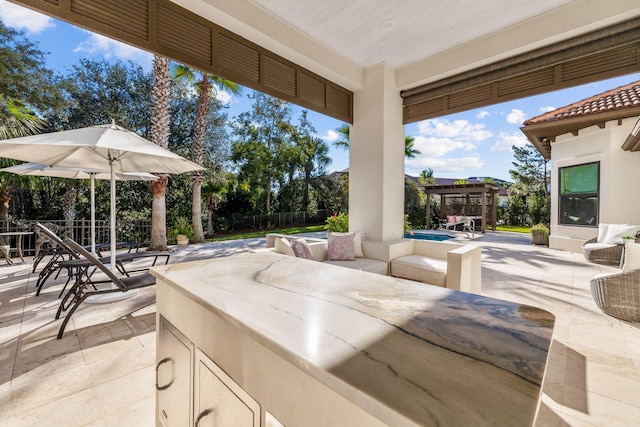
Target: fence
{"x": 80, "y": 231}
{"x": 140, "y": 231}
{"x": 277, "y": 220}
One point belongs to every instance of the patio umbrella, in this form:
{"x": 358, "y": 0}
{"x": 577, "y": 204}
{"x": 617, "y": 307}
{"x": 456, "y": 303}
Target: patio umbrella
{"x": 104, "y": 147}
{"x": 37, "y": 169}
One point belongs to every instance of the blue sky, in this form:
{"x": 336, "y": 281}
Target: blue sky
{"x": 471, "y": 143}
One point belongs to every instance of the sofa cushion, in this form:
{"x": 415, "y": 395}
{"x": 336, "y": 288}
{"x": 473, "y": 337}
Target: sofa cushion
{"x": 301, "y": 249}
{"x": 631, "y": 257}
{"x": 420, "y": 268}
{"x": 616, "y": 232}
{"x": 364, "y": 264}
{"x": 341, "y": 247}
{"x": 282, "y": 246}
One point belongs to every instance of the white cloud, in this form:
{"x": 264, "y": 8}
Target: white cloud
{"x": 482, "y": 114}
{"x": 223, "y": 96}
{"x": 507, "y": 140}
{"x": 516, "y": 117}
{"x": 97, "y": 44}
{"x": 547, "y": 109}
{"x": 438, "y": 147}
{"x": 461, "y": 130}
{"x": 444, "y": 165}
{"x": 20, "y": 17}
{"x": 330, "y": 136}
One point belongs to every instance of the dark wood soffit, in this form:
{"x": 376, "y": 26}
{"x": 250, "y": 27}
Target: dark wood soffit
{"x": 162, "y": 27}
{"x": 605, "y": 53}
{"x": 541, "y": 135}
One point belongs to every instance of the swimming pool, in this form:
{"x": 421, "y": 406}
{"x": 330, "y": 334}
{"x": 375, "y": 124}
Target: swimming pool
{"x": 428, "y": 235}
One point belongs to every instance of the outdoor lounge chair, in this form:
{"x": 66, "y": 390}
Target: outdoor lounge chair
{"x": 44, "y": 245}
{"x": 618, "y": 294}
{"x": 75, "y": 264}
{"x": 84, "y": 287}
{"x": 607, "y": 247}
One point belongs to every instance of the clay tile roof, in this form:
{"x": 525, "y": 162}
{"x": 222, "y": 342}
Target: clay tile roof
{"x": 620, "y": 98}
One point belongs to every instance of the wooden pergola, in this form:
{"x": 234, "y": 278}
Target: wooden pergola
{"x": 480, "y": 190}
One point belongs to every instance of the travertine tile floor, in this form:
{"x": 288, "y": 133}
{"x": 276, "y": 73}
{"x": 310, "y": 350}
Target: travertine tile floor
{"x": 102, "y": 372}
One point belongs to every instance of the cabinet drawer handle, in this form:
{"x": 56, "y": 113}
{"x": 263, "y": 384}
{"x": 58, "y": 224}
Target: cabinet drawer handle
{"x": 163, "y": 361}
{"x": 203, "y": 414}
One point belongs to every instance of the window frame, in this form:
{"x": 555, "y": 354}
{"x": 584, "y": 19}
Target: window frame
{"x": 561, "y": 197}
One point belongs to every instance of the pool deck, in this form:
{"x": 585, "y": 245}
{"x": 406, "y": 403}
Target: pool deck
{"x": 102, "y": 372}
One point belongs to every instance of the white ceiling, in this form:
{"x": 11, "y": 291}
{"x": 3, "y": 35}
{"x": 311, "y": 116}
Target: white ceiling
{"x": 430, "y": 39}
{"x": 354, "y": 28}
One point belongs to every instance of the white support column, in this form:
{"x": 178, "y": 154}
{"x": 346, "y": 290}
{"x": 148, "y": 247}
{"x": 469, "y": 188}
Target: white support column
{"x": 376, "y": 158}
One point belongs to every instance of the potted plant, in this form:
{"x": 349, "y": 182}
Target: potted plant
{"x": 628, "y": 239}
{"x": 182, "y": 231}
{"x": 540, "y": 235}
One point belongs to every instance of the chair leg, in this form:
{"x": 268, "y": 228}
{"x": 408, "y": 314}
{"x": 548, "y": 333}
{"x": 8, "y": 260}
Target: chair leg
{"x": 69, "y": 314}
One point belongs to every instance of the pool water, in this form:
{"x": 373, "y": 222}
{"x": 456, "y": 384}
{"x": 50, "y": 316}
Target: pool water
{"x": 428, "y": 236}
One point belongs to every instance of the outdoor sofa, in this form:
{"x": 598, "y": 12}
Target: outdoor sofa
{"x": 444, "y": 264}
{"x": 606, "y": 247}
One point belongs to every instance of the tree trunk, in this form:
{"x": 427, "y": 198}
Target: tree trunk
{"x": 196, "y": 210}
{"x": 160, "y": 121}
{"x": 209, "y": 222}
{"x": 159, "y": 215}
{"x": 197, "y": 154}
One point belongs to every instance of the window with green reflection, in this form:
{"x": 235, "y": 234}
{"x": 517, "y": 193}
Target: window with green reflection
{"x": 579, "y": 194}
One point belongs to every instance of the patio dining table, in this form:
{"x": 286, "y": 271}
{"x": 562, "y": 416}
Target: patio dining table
{"x": 5, "y": 245}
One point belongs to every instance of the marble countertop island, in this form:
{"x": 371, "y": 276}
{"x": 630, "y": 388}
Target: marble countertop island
{"x": 408, "y": 353}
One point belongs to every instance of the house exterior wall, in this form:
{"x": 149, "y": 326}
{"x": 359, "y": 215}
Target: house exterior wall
{"x": 619, "y": 174}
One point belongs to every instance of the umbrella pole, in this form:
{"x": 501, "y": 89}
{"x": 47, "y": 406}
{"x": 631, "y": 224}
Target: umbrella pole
{"x": 93, "y": 213}
{"x": 113, "y": 217}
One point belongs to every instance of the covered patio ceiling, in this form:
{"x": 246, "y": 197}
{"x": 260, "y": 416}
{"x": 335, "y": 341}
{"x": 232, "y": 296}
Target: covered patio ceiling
{"x": 446, "y": 56}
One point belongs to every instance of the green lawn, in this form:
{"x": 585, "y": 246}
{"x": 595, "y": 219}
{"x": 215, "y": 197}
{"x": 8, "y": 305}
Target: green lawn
{"x": 514, "y": 228}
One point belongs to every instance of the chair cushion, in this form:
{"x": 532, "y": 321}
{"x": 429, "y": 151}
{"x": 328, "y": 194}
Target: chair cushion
{"x": 420, "y": 268}
{"x": 631, "y": 257}
{"x": 616, "y": 232}
{"x": 341, "y": 246}
{"x": 364, "y": 264}
{"x": 593, "y": 246}
{"x": 602, "y": 232}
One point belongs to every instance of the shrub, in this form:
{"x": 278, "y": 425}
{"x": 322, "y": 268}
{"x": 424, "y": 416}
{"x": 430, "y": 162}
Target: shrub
{"x": 338, "y": 223}
{"x": 181, "y": 226}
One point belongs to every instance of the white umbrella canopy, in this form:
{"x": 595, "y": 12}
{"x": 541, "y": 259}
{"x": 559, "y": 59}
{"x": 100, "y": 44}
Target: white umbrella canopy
{"x": 38, "y": 169}
{"x": 97, "y": 147}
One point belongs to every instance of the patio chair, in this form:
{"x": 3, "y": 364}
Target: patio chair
{"x": 607, "y": 246}
{"x": 44, "y": 246}
{"x": 618, "y": 294}
{"x": 84, "y": 287}
{"x": 76, "y": 263}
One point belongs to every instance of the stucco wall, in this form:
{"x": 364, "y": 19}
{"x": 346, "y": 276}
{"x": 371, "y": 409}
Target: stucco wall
{"x": 619, "y": 175}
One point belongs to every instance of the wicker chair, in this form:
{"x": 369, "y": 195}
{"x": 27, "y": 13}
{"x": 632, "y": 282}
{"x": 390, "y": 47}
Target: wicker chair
{"x": 604, "y": 254}
{"x": 618, "y": 295}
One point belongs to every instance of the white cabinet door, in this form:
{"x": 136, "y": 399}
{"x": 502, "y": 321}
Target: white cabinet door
{"x": 219, "y": 401}
{"x": 174, "y": 375}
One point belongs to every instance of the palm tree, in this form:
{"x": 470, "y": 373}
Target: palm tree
{"x": 160, "y": 121}
{"x": 17, "y": 120}
{"x": 409, "y": 151}
{"x": 213, "y": 193}
{"x": 426, "y": 177}
{"x": 343, "y": 141}
{"x": 315, "y": 153}
{"x": 207, "y": 86}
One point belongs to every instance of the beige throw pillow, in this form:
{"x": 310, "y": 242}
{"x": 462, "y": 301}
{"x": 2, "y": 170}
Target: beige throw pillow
{"x": 301, "y": 249}
{"x": 282, "y": 246}
{"x": 357, "y": 241}
{"x": 340, "y": 246}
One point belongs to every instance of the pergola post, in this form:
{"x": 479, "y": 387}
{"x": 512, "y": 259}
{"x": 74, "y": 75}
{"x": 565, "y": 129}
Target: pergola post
{"x": 484, "y": 211}
{"x": 494, "y": 209}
